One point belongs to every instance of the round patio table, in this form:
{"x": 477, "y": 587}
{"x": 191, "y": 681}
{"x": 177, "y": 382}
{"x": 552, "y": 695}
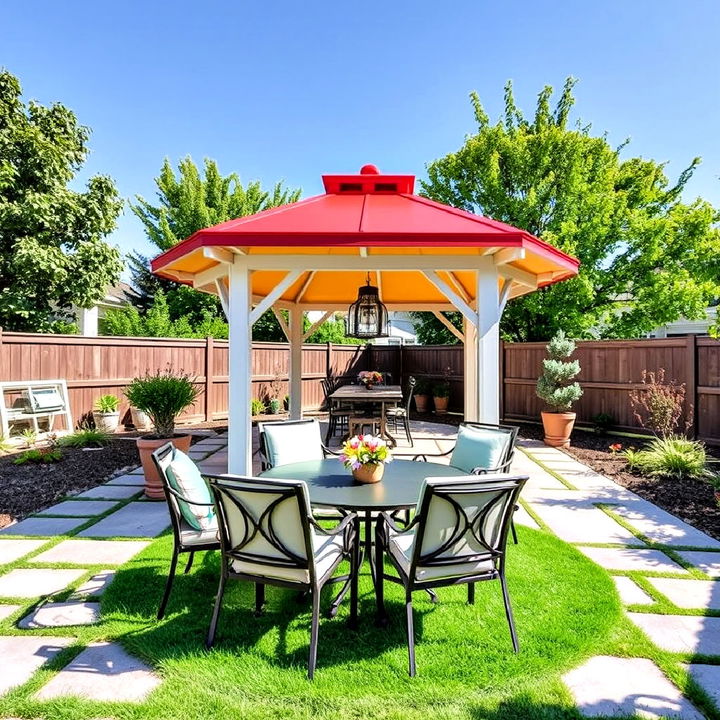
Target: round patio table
{"x": 331, "y": 485}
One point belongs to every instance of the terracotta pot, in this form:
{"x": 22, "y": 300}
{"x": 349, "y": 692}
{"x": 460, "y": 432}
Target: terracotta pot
{"x": 146, "y": 447}
{"x": 369, "y": 473}
{"x": 106, "y": 421}
{"x": 441, "y": 405}
{"x": 421, "y": 403}
{"x": 558, "y": 426}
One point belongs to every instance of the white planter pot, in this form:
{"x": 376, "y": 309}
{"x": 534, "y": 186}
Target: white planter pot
{"x": 140, "y": 420}
{"x": 107, "y": 422}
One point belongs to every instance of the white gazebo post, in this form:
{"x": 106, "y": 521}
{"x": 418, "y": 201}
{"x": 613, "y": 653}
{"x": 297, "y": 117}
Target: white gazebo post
{"x": 240, "y": 370}
{"x": 296, "y": 344}
{"x": 470, "y": 371}
{"x": 487, "y": 347}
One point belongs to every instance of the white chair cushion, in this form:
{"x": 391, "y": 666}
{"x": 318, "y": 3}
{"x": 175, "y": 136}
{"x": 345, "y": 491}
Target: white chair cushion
{"x": 479, "y": 448}
{"x": 401, "y": 546}
{"x": 327, "y": 549}
{"x": 185, "y": 478}
{"x": 192, "y": 537}
{"x": 287, "y": 444}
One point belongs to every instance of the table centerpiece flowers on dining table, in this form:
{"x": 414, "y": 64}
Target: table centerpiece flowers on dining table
{"x": 370, "y": 378}
{"x": 365, "y": 456}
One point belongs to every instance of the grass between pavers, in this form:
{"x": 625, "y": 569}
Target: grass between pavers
{"x": 566, "y": 609}
{"x": 547, "y": 468}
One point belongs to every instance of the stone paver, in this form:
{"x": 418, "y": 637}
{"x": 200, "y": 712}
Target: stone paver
{"x": 700, "y": 594}
{"x": 708, "y": 562}
{"x": 35, "y": 582}
{"x": 632, "y": 559}
{"x": 92, "y": 552}
{"x": 630, "y": 592}
{"x": 681, "y": 633}
{"x": 7, "y": 610}
{"x": 522, "y": 517}
{"x": 48, "y": 527}
{"x": 137, "y": 519}
{"x": 61, "y": 615}
{"x": 136, "y": 479}
{"x": 95, "y": 586}
{"x": 79, "y": 508}
{"x": 12, "y": 550}
{"x": 110, "y": 492}
{"x": 662, "y": 527}
{"x": 708, "y": 677}
{"x": 103, "y": 671}
{"x": 624, "y": 686}
{"x": 23, "y": 655}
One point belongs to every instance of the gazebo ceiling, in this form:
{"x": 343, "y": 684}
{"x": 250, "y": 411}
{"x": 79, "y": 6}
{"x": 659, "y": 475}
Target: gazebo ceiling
{"x": 366, "y": 222}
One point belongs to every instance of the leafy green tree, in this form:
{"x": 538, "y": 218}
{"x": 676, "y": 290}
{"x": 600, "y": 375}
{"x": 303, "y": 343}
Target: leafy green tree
{"x": 430, "y": 331}
{"x": 647, "y": 258}
{"x": 332, "y": 331}
{"x": 187, "y": 202}
{"x": 52, "y": 252}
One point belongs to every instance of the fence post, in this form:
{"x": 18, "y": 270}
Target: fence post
{"x": 691, "y": 383}
{"x": 209, "y": 376}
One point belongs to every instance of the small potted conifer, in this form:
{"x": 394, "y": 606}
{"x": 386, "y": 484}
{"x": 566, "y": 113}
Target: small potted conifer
{"x": 556, "y": 388}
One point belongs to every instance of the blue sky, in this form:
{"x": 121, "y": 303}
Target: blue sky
{"x": 289, "y": 90}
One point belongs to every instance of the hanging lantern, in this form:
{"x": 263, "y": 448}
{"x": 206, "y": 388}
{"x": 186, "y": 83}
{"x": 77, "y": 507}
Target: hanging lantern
{"x": 367, "y": 316}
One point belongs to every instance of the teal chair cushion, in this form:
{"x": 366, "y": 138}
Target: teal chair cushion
{"x": 291, "y": 443}
{"x": 185, "y": 478}
{"x": 479, "y": 448}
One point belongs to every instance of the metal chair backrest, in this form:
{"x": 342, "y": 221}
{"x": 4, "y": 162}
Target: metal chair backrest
{"x": 463, "y": 521}
{"x": 409, "y": 390}
{"x": 264, "y": 523}
{"x": 501, "y": 437}
{"x": 289, "y": 441}
{"x": 162, "y": 457}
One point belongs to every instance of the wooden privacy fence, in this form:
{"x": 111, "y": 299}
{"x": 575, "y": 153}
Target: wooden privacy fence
{"x": 610, "y": 369}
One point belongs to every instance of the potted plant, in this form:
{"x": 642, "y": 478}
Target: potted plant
{"x": 163, "y": 396}
{"x": 555, "y": 387}
{"x": 441, "y": 396}
{"x": 140, "y": 419}
{"x": 106, "y": 414}
{"x": 273, "y": 405}
{"x": 422, "y": 395}
{"x": 365, "y": 456}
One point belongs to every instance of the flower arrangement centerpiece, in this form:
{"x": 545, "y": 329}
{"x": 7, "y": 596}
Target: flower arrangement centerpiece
{"x": 366, "y": 456}
{"x": 370, "y": 378}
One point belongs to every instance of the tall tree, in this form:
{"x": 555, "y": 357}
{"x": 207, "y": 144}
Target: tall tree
{"x": 187, "y": 202}
{"x": 647, "y": 258}
{"x": 52, "y": 252}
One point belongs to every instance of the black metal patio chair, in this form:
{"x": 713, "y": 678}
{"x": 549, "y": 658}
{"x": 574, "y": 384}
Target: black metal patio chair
{"x": 401, "y": 413}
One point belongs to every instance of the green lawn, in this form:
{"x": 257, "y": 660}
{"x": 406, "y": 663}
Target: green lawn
{"x": 566, "y": 609}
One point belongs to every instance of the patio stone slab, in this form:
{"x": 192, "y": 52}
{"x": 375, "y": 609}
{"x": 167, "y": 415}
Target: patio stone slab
{"x": 35, "y": 582}
{"x": 136, "y": 471}
{"x": 631, "y": 559}
{"x": 12, "y": 550}
{"x": 630, "y": 592}
{"x": 708, "y": 677}
{"x": 92, "y": 552}
{"x": 23, "y": 655}
{"x": 61, "y": 615}
{"x": 522, "y": 517}
{"x": 681, "y": 633}
{"x": 662, "y": 527}
{"x": 95, "y": 586}
{"x": 105, "y": 672}
{"x": 110, "y": 492}
{"x": 79, "y": 508}
{"x": 137, "y": 519}
{"x": 135, "y": 479}
{"x": 708, "y": 562}
{"x": 7, "y": 610}
{"x": 700, "y": 594}
{"x": 48, "y": 527}
{"x": 625, "y": 686}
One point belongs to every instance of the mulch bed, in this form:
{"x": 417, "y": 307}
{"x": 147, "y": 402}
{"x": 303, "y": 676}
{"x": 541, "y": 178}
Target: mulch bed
{"x": 28, "y": 488}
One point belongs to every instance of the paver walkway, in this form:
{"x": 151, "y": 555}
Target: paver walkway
{"x": 666, "y": 573}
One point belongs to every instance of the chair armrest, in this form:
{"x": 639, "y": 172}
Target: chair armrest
{"x": 339, "y": 528}
{"x": 505, "y": 467}
{"x": 184, "y": 499}
{"x": 390, "y": 522}
{"x": 327, "y": 451}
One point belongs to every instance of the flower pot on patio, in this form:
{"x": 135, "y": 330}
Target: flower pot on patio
{"x": 369, "y": 473}
{"x": 421, "y": 403}
{"x": 558, "y": 426}
{"x": 147, "y": 445}
{"x": 140, "y": 420}
{"x": 441, "y": 404}
{"x": 106, "y": 421}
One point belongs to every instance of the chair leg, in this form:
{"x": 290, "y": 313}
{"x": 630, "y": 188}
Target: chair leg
{"x": 381, "y": 617}
{"x": 216, "y": 612}
{"x": 407, "y": 432}
{"x": 259, "y": 598}
{"x": 509, "y": 613}
{"x": 410, "y": 633}
{"x": 513, "y": 531}
{"x": 354, "y": 575}
{"x": 168, "y": 585}
{"x": 190, "y": 562}
{"x": 330, "y": 430}
{"x": 314, "y": 629}
{"x": 471, "y": 593}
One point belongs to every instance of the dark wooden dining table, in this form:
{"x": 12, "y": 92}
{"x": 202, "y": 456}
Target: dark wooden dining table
{"x": 380, "y": 394}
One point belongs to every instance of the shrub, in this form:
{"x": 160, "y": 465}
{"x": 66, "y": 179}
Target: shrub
{"x": 257, "y": 407}
{"x": 85, "y": 437}
{"x": 554, "y": 386}
{"x": 658, "y": 405}
{"x": 29, "y": 436}
{"x": 441, "y": 389}
{"x": 163, "y": 396}
{"x": 675, "y": 457}
{"x": 422, "y": 386}
{"x": 107, "y": 404}
{"x": 42, "y": 455}
{"x": 603, "y": 422}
